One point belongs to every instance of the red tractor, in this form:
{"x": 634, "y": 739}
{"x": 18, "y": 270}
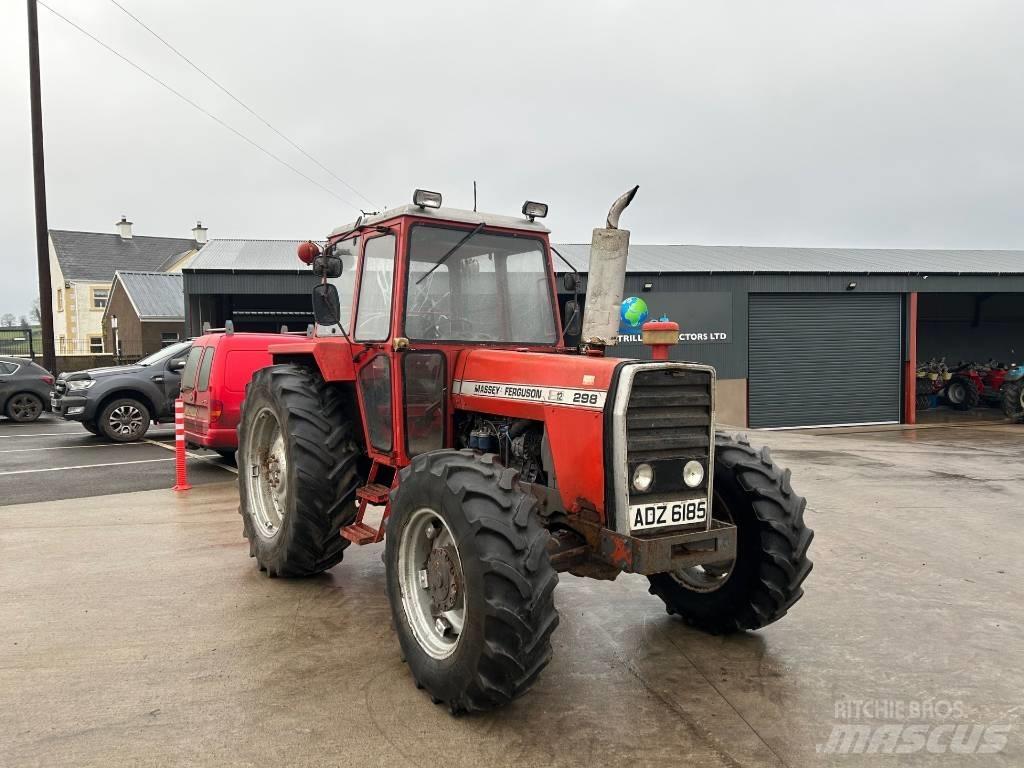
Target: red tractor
{"x": 438, "y": 386}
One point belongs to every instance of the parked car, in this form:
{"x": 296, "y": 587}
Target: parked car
{"x": 24, "y": 389}
{"x": 120, "y": 402}
{"x": 213, "y": 384}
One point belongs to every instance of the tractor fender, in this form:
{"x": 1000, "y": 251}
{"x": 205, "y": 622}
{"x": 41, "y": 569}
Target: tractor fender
{"x": 332, "y": 357}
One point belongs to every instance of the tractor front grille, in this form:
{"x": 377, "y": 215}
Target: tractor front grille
{"x": 664, "y": 417}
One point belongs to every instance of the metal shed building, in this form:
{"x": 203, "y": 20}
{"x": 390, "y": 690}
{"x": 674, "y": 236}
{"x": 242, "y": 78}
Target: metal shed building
{"x": 800, "y": 336}
{"x": 825, "y": 336}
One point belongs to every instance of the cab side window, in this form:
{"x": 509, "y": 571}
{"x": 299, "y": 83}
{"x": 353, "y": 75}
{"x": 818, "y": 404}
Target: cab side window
{"x": 188, "y": 373}
{"x": 373, "y": 316}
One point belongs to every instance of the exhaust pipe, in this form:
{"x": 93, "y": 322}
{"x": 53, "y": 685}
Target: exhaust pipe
{"x": 606, "y": 278}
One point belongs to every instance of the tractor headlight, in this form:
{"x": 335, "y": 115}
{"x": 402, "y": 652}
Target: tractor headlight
{"x": 693, "y": 474}
{"x": 643, "y": 478}
{"x": 80, "y": 383}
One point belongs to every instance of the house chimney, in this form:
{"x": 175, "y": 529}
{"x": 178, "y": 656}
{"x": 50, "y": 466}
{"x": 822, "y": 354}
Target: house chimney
{"x": 124, "y": 228}
{"x": 199, "y": 233}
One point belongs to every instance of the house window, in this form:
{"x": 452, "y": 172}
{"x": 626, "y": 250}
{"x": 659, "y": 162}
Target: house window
{"x": 166, "y": 339}
{"x": 96, "y": 345}
{"x": 99, "y": 298}
{"x": 60, "y": 299}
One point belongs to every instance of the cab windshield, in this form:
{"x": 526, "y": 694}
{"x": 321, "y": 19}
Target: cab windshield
{"x": 494, "y": 287}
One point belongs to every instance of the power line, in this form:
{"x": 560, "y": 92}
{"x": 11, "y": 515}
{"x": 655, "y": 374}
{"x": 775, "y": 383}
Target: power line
{"x": 210, "y": 115}
{"x": 238, "y": 101}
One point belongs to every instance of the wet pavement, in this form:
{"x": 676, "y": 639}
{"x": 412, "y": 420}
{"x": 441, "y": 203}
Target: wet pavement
{"x": 135, "y": 630}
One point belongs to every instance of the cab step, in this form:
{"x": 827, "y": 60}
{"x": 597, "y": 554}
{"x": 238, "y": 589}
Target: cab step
{"x": 359, "y": 533}
{"x": 373, "y": 493}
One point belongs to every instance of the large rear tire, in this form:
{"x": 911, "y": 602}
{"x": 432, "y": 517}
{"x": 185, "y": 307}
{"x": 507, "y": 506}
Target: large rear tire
{"x": 764, "y": 580}
{"x": 1012, "y": 399}
{"x": 469, "y": 580}
{"x": 298, "y": 465}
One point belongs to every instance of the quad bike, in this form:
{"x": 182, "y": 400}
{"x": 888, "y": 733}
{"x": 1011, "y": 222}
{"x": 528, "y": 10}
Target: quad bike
{"x": 500, "y": 456}
{"x": 1012, "y": 393}
{"x": 932, "y": 379}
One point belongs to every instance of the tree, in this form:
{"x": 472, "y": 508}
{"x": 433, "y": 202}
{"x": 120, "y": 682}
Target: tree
{"x": 35, "y": 314}
{"x": 7, "y": 320}
{"x": 23, "y": 321}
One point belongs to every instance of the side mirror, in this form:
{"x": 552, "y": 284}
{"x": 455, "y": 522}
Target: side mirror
{"x": 326, "y": 304}
{"x": 177, "y": 365}
{"x": 573, "y": 319}
{"x": 327, "y": 265}
{"x": 571, "y": 282}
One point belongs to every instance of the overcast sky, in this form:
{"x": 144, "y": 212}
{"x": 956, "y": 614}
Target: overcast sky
{"x": 815, "y": 123}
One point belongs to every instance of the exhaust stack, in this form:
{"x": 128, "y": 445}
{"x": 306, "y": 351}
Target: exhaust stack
{"x": 606, "y": 278}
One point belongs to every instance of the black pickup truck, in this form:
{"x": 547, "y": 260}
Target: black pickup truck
{"x": 120, "y": 402}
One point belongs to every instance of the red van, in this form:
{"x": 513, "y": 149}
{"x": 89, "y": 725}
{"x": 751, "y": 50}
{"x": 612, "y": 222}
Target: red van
{"x": 213, "y": 383}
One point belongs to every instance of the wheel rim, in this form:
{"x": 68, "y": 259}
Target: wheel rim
{"x": 432, "y": 583}
{"x": 955, "y": 394}
{"x": 26, "y": 407}
{"x": 711, "y": 577}
{"x": 125, "y": 420}
{"x": 267, "y": 476}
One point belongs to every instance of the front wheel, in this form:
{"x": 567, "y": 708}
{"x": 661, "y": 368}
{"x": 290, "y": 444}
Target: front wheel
{"x": 1012, "y": 397}
{"x": 469, "y": 580}
{"x": 24, "y": 407}
{"x": 764, "y": 580}
{"x": 962, "y": 393}
{"x": 124, "y": 420}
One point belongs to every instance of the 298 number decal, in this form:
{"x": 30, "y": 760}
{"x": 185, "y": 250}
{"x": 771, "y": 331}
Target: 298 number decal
{"x": 585, "y": 398}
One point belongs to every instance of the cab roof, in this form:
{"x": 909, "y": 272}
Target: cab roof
{"x": 447, "y": 214}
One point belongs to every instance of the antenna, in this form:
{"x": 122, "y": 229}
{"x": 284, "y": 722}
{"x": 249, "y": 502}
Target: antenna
{"x": 474, "y": 195}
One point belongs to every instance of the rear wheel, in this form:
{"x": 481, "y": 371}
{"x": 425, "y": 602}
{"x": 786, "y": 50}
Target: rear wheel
{"x": 469, "y": 580}
{"x": 24, "y": 407}
{"x": 1012, "y": 397}
{"x": 962, "y": 393}
{"x": 124, "y": 420}
{"x": 764, "y": 580}
{"x": 298, "y": 471}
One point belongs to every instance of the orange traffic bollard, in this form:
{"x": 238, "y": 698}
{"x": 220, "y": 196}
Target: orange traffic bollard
{"x": 179, "y": 447}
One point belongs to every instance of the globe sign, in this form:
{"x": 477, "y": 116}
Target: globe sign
{"x": 634, "y": 314}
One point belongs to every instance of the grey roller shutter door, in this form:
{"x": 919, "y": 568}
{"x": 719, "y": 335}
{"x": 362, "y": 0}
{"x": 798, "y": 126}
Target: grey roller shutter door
{"x": 824, "y": 359}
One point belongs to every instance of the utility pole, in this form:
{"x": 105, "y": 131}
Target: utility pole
{"x": 39, "y": 175}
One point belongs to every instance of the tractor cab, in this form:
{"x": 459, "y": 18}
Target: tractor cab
{"x": 416, "y": 286}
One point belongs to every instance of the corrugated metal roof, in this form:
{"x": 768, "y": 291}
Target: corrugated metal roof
{"x": 249, "y": 255}
{"x": 730, "y": 258}
{"x": 95, "y": 256}
{"x": 155, "y": 295}
{"x": 279, "y": 255}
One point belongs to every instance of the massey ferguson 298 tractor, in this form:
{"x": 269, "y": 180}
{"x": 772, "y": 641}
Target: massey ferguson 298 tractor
{"x": 437, "y": 384}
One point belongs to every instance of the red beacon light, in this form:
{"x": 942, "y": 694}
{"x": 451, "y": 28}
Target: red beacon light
{"x": 308, "y": 251}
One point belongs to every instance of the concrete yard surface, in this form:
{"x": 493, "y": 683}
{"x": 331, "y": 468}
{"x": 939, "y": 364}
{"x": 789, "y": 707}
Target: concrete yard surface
{"x": 135, "y": 630}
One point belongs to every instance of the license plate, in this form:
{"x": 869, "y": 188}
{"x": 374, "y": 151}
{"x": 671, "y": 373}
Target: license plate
{"x": 661, "y": 514}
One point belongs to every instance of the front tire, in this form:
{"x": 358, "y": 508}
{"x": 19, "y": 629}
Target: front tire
{"x": 90, "y": 426}
{"x": 124, "y": 420}
{"x": 298, "y": 471}
{"x": 469, "y": 580}
{"x": 962, "y": 393}
{"x": 24, "y": 407}
{"x": 764, "y": 580}
{"x": 1012, "y": 399}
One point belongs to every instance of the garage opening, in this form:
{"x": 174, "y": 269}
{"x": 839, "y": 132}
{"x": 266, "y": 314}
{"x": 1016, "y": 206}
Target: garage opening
{"x": 824, "y": 359}
{"x": 970, "y": 336}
